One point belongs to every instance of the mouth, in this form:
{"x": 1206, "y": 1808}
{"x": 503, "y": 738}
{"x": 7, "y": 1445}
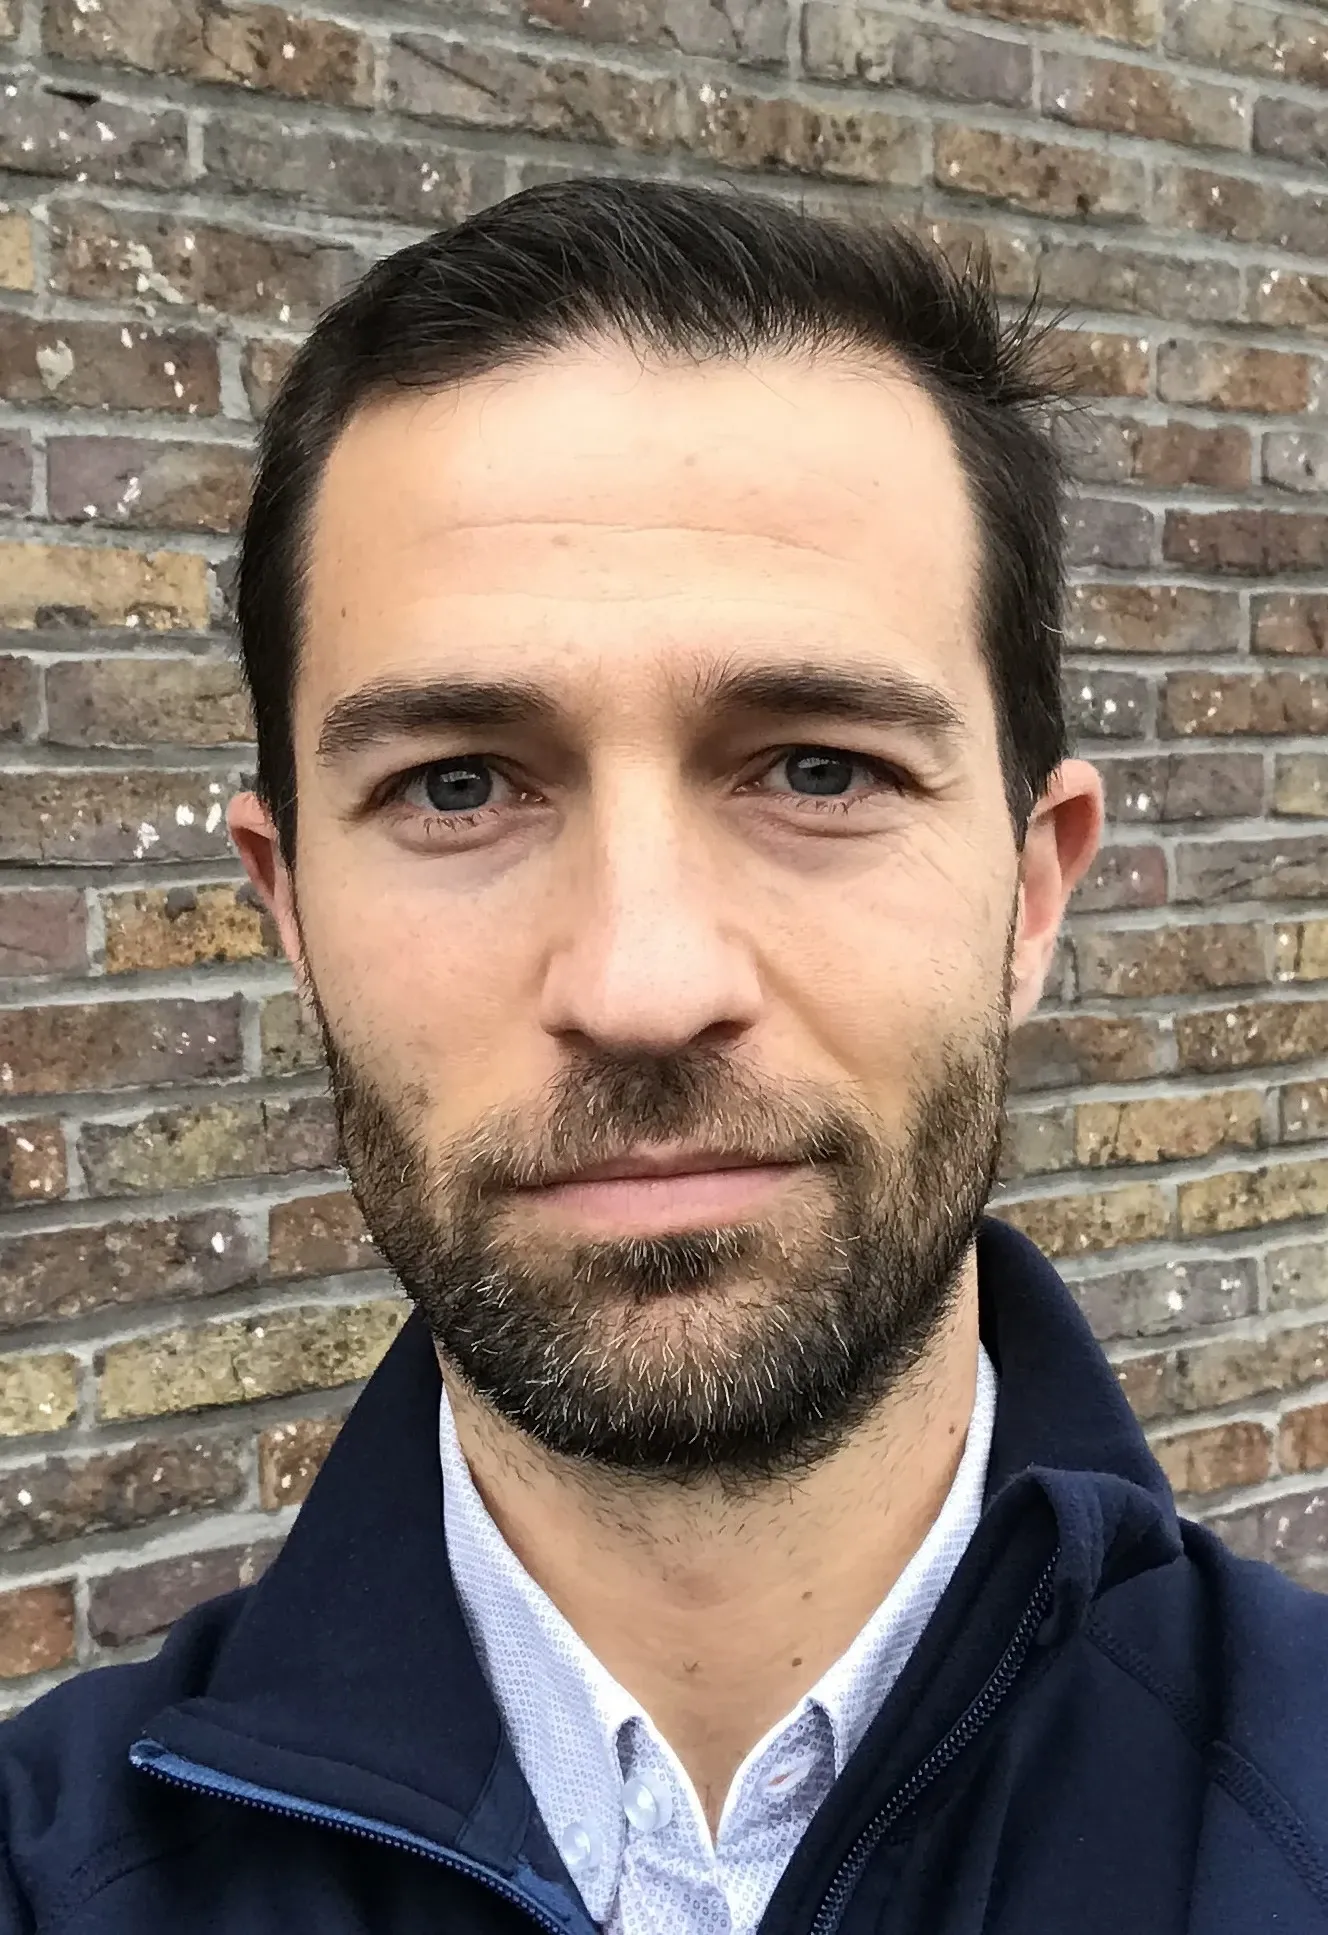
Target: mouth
{"x": 653, "y": 1191}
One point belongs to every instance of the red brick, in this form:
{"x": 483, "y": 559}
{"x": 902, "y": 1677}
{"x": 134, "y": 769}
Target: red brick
{"x": 107, "y": 366}
{"x": 20, "y": 697}
{"x": 290, "y": 1457}
{"x": 1107, "y": 705}
{"x": 1071, "y": 184}
{"x": 139, "y": 701}
{"x": 1226, "y": 702}
{"x": 736, "y": 129}
{"x": 56, "y": 1274}
{"x": 146, "y": 1599}
{"x": 1287, "y": 1531}
{"x": 1237, "y": 209}
{"x": 148, "y": 484}
{"x": 1296, "y": 460}
{"x": 36, "y": 1629}
{"x": 94, "y": 818}
{"x": 1095, "y": 275}
{"x": 213, "y": 40}
{"x": 1152, "y": 618}
{"x": 261, "y": 369}
{"x": 41, "y": 931}
{"x": 65, "y": 1049}
{"x": 1123, "y": 877}
{"x": 1294, "y": 867}
{"x": 1092, "y": 363}
{"x": 33, "y": 1168}
{"x": 1117, "y": 450}
{"x": 318, "y": 1236}
{"x": 1174, "y": 959}
{"x": 421, "y": 182}
{"x": 1226, "y": 378}
{"x": 1303, "y": 1111}
{"x": 1248, "y": 543}
{"x": 1293, "y": 131}
{"x": 1153, "y": 1299}
{"x": 1216, "y": 1458}
{"x": 113, "y": 1491}
{"x": 1151, "y": 102}
{"x": 1162, "y": 788}
{"x": 45, "y": 133}
{"x": 1249, "y": 39}
{"x": 121, "y": 255}
{"x": 1294, "y": 623}
{"x": 862, "y": 44}
{"x": 1060, "y": 1051}
{"x": 1108, "y": 532}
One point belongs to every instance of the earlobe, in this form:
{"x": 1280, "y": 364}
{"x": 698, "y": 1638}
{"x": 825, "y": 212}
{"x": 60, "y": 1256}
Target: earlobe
{"x": 255, "y": 835}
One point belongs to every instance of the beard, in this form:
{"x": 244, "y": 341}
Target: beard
{"x": 732, "y": 1354}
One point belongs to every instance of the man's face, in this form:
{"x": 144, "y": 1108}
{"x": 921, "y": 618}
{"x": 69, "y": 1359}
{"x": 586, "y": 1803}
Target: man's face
{"x": 657, "y": 890}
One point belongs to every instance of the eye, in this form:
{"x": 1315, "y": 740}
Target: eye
{"x": 456, "y": 786}
{"x": 825, "y": 772}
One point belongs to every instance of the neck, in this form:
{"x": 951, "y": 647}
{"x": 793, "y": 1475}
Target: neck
{"x": 718, "y": 1613}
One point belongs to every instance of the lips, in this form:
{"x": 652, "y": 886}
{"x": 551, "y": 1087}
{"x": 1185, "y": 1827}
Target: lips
{"x": 648, "y": 1165}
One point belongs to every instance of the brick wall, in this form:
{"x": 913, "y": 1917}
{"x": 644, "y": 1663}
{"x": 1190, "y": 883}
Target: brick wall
{"x": 186, "y": 1301}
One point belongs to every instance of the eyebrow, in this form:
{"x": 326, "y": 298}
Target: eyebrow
{"x": 388, "y": 710}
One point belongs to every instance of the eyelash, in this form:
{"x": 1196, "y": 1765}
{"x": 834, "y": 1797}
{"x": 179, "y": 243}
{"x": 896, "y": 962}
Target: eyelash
{"x": 884, "y": 778}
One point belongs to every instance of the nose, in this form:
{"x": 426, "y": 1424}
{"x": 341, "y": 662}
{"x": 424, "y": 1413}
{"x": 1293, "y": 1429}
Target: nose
{"x": 648, "y": 959}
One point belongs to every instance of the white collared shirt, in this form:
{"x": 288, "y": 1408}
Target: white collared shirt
{"x": 614, "y": 1796}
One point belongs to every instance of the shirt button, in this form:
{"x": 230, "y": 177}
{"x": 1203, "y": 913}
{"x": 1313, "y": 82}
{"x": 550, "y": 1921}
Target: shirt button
{"x": 792, "y": 1774}
{"x": 581, "y": 1847}
{"x": 647, "y": 1803}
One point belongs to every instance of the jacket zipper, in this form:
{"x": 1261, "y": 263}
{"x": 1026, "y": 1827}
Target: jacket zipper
{"x": 152, "y": 1758}
{"x": 965, "y": 1729}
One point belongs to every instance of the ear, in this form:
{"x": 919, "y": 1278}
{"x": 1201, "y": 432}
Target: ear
{"x": 1063, "y": 835}
{"x": 255, "y": 835}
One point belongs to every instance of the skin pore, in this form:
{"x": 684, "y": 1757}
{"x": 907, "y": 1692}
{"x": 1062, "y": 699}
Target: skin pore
{"x": 699, "y": 643}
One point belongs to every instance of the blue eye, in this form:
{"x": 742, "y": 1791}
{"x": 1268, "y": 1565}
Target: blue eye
{"x": 820, "y": 773}
{"x": 458, "y": 785}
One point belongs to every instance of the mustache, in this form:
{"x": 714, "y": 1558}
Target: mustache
{"x": 605, "y": 1107}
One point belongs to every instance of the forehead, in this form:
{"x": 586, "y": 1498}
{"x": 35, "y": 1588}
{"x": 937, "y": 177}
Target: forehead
{"x": 611, "y": 526}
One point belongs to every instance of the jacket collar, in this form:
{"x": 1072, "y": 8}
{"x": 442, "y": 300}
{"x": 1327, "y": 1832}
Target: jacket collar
{"x": 348, "y": 1676}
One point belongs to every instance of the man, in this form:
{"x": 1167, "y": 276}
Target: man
{"x": 649, "y": 601}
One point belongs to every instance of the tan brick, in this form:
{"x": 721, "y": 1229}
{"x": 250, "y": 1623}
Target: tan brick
{"x": 1036, "y": 1142}
{"x": 122, "y": 255}
{"x": 291, "y": 1042}
{"x": 1224, "y": 377}
{"x": 182, "y": 1148}
{"x": 1058, "y": 1051}
{"x": 1301, "y": 950}
{"x": 1215, "y": 1458}
{"x": 1151, "y": 618}
{"x": 1169, "y": 960}
{"x": 1296, "y": 460}
{"x": 1014, "y": 258}
{"x": 1291, "y": 866}
{"x": 318, "y": 1236}
{"x": 1150, "y": 102}
{"x": 1229, "y": 1370}
{"x": 42, "y": 931}
{"x": 16, "y": 471}
{"x": 751, "y": 31}
{"x": 36, "y": 1629}
{"x": 261, "y": 47}
{"x": 1167, "y": 1128}
{"x": 33, "y": 1167}
{"x": 1294, "y": 623}
{"x": 1303, "y": 1111}
{"x": 113, "y": 1491}
{"x": 445, "y": 78}
{"x": 1269, "y": 702}
{"x": 290, "y": 1457}
{"x": 1300, "y": 786}
{"x": 1091, "y": 363}
{"x": 41, "y": 584}
{"x": 107, "y": 366}
{"x": 313, "y": 1348}
{"x": 1233, "y": 208}
{"x": 863, "y": 44}
{"x": 1242, "y": 1199}
{"x": 1302, "y": 1438}
{"x": 1144, "y": 1382}
{"x": 117, "y": 1044}
{"x": 1291, "y": 131}
{"x": 1137, "y": 22}
{"x": 1072, "y": 184}
{"x": 20, "y": 698}
{"x": 1101, "y": 1219}
{"x": 741, "y": 130}
{"x": 172, "y": 927}
{"x": 92, "y": 818}
{"x": 1251, "y": 1034}
{"x": 57, "y": 1274}
{"x": 1249, "y": 39}
{"x": 1297, "y": 1276}
{"x": 86, "y": 137}
{"x": 144, "y": 701}
{"x": 37, "y": 1393}
{"x": 16, "y": 263}
{"x": 147, "y": 484}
